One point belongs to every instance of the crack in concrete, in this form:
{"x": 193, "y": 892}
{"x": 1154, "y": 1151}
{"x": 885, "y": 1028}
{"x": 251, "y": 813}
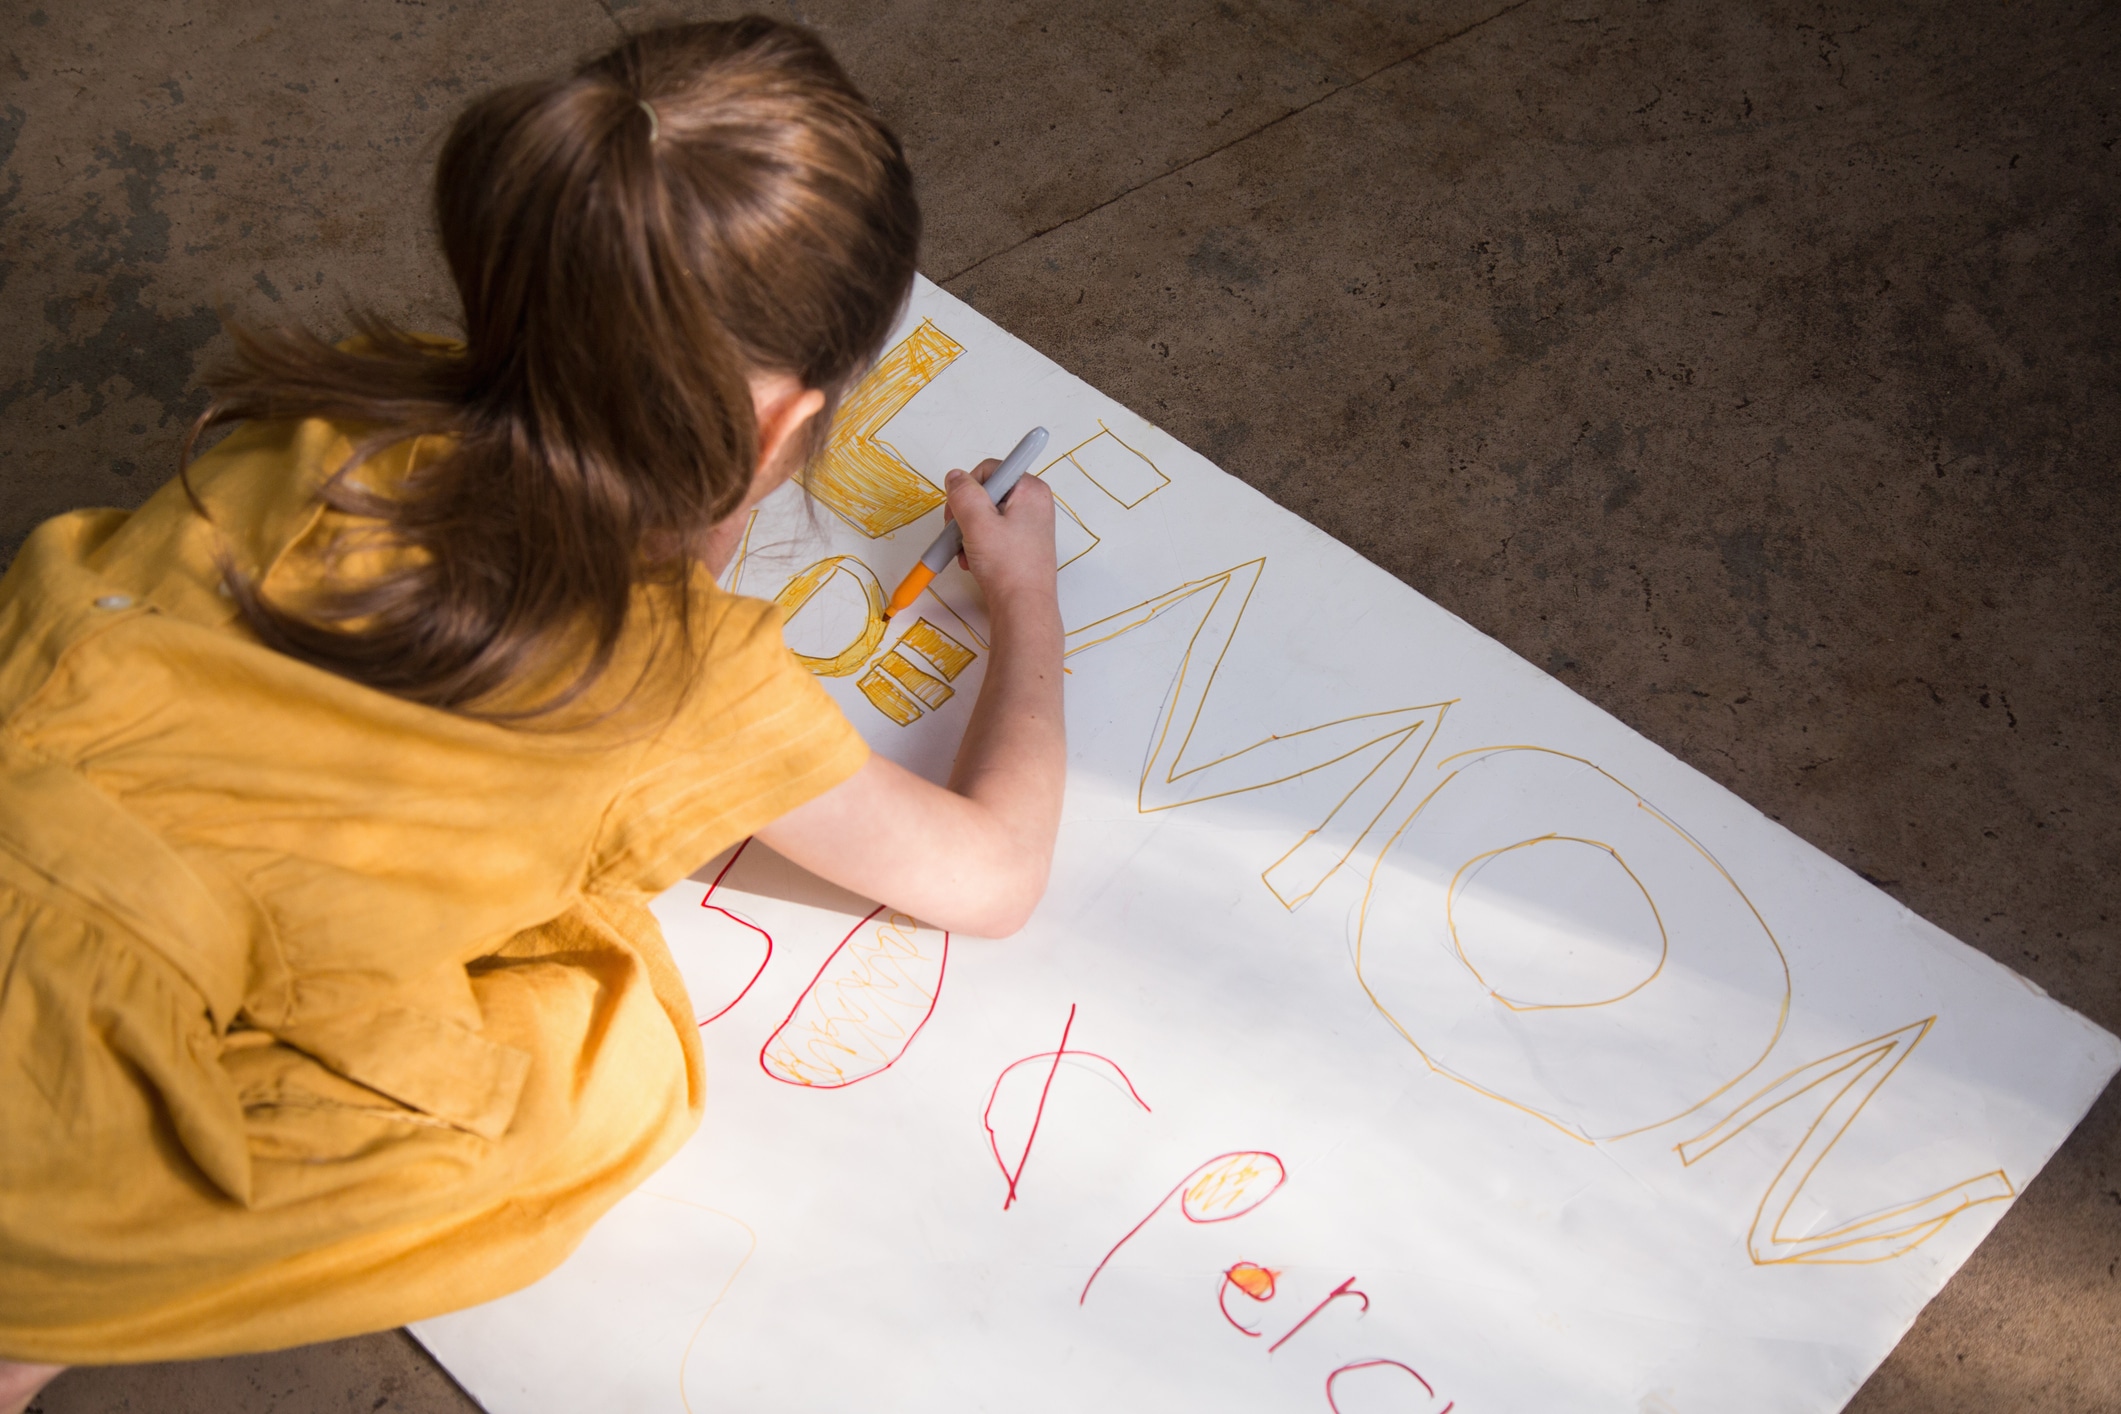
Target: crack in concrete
{"x": 1192, "y": 162}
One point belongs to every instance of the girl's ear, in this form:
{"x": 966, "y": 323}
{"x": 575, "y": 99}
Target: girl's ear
{"x": 784, "y": 409}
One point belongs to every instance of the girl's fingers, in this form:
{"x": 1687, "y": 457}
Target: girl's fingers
{"x": 967, "y": 498}
{"x": 979, "y": 473}
{"x": 976, "y": 502}
{"x": 1008, "y": 541}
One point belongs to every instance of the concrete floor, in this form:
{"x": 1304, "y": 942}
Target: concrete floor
{"x": 1750, "y": 367}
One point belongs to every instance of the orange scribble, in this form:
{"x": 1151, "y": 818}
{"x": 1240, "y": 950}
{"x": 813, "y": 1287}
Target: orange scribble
{"x": 1254, "y": 1281}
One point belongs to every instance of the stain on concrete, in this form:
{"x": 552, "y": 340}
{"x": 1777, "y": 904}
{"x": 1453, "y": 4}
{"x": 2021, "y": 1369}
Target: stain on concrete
{"x": 1627, "y": 485}
{"x": 11, "y": 121}
{"x": 1557, "y": 307}
{"x": 140, "y": 236}
{"x": 1221, "y": 438}
{"x": 152, "y": 351}
{"x": 128, "y": 336}
{"x": 1227, "y": 258}
{"x": 1750, "y": 556}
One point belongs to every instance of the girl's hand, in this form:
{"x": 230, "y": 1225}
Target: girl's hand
{"x": 971, "y": 856}
{"x": 1008, "y": 548}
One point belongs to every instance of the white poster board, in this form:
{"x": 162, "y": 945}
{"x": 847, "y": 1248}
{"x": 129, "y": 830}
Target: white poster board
{"x": 1400, "y": 1032}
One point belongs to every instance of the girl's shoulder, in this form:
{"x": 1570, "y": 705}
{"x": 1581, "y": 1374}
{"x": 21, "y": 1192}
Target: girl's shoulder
{"x": 242, "y": 505}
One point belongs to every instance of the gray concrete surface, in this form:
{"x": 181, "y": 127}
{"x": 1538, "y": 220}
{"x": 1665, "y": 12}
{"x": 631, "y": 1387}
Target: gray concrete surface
{"x": 1751, "y": 367}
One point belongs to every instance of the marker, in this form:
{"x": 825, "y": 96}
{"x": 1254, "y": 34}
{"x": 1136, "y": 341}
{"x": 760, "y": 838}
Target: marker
{"x": 952, "y": 540}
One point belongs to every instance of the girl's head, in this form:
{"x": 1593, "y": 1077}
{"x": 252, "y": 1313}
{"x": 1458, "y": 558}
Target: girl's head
{"x": 702, "y": 206}
{"x": 645, "y": 249}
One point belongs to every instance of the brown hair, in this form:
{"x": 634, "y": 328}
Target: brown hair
{"x": 631, "y": 244}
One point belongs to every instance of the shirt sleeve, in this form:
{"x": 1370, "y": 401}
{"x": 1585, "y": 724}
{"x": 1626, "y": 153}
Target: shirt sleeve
{"x": 755, "y": 737}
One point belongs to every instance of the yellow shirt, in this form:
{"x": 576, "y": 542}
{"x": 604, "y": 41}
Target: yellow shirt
{"x": 322, "y": 1011}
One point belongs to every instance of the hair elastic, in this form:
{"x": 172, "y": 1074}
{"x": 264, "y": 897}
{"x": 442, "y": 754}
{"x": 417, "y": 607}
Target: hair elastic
{"x": 655, "y": 128}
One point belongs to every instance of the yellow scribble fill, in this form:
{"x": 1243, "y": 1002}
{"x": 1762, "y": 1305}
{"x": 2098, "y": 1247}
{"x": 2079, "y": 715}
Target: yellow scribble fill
{"x": 861, "y": 477}
{"x": 889, "y": 698}
{"x": 864, "y": 1007}
{"x": 1231, "y": 1185}
{"x": 931, "y": 690}
{"x": 1253, "y": 1280}
{"x": 948, "y": 655}
{"x": 798, "y": 591}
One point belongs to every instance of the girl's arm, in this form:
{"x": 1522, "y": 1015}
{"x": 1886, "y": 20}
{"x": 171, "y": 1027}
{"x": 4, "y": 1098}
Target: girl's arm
{"x": 973, "y": 856}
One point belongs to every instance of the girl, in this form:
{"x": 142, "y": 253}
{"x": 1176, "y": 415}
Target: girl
{"x": 335, "y": 781}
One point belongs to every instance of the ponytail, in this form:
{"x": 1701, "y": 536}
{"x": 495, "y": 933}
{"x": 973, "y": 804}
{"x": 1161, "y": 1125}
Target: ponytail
{"x": 631, "y": 245}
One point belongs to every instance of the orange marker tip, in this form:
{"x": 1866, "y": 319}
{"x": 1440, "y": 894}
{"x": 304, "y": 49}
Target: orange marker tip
{"x": 909, "y": 589}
